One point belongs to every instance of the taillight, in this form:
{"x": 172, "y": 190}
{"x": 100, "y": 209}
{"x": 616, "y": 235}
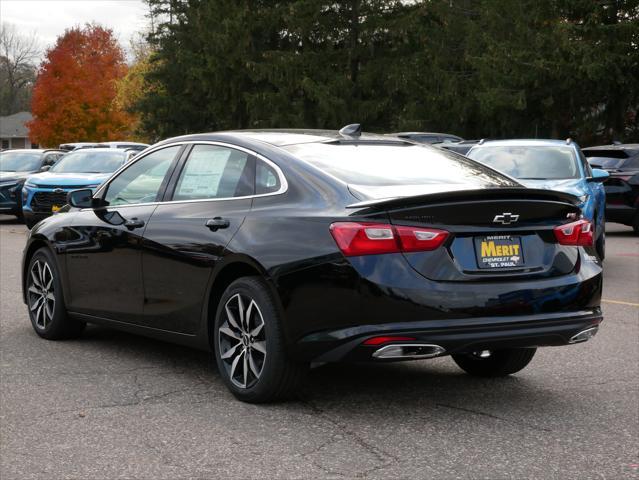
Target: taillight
{"x": 577, "y": 233}
{"x": 386, "y": 339}
{"x": 355, "y": 239}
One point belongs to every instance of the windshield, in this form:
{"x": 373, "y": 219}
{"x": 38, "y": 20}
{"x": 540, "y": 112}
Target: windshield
{"x": 397, "y": 165}
{"x": 89, "y": 161}
{"x": 531, "y": 162}
{"x": 20, "y": 161}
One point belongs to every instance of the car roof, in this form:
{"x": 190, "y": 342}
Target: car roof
{"x": 34, "y": 150}
{"x": 425, "y": 133}
{"x": 100, "y": 150}
{"x": 523, "y": 143}
{"x": 284, "y": 137}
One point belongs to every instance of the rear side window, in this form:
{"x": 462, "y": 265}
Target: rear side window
{"x": 266, "y": 179}
{"x": 214, "y": 172}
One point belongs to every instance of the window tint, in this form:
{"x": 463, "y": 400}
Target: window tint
{"x": 214, "y": 172}
{"x": 141, "y": 182}
{"x": 266, "y": 179}
{"x": 393, "y": 166}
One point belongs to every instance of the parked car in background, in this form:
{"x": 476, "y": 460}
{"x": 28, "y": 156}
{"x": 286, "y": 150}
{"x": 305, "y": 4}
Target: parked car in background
{"x": 428, "y": 137}
{"x": 46, "y": 193}
{"x": 15, "y": 167}
{"x": 279, "y": 249}
{"x": 125, "y": 145}
{"x": 622, "y": 188}
{"x": 459, "y": 147}
{"x": 554, "y": 165}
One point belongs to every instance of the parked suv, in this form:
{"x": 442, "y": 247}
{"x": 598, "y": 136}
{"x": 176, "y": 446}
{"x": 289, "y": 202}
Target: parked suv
{"x": 15, "y": 167}
{"x": 553, "y": 165}
{"x": 46, "y": 193}
{"x": 622, "y": 188}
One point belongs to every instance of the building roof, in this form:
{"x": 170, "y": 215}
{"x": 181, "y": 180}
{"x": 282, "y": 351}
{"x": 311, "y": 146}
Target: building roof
{"x": 13, "y": 126}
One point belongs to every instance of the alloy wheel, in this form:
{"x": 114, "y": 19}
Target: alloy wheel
{"x": 242, "y": 341}
{"x": 41, "y": 293}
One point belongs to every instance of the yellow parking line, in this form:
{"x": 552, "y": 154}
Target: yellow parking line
{"x": 619, "y": 302}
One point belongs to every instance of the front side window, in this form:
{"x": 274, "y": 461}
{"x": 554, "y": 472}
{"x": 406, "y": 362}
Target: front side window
{"x": 530, "y": 162}
{"x": 213, "y": 171}
{"x": 141, "y": 182}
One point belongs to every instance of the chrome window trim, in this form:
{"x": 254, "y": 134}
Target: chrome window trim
{"x": 283, "y": 183}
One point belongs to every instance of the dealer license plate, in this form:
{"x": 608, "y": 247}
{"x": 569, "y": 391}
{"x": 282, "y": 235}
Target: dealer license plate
{"x": 499, "y": 251}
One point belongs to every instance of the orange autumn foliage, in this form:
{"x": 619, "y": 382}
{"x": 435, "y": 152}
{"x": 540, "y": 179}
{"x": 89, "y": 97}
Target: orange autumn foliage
{"x": 74, "y": 94}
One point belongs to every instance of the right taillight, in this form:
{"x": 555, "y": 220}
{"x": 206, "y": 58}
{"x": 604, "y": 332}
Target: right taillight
{"x": 577, "y": 233}
{"x": 355, "y": 239}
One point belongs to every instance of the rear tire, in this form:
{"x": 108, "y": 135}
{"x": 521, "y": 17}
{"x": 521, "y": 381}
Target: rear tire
{"x": 45, "y": 300}
{"x": 249, "y": 344}
{"x": 499, "y": 364}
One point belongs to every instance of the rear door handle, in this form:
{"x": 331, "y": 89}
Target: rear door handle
{"x": 216, "y": 223}
{"x": 134, "y": 223}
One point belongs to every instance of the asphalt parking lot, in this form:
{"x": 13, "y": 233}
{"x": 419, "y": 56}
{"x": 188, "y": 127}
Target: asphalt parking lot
{"x": 113, "y": 405}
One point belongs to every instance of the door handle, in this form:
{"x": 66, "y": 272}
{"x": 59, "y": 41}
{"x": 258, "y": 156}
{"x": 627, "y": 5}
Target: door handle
{"x": 134, "y": 223}
{"x": 216, "y": 223}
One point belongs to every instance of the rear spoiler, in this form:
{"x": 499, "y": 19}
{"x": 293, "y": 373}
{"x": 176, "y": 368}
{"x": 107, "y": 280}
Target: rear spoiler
{"x": 518, "y": 193}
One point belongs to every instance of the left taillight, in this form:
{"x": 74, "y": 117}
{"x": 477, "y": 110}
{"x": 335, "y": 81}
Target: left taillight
{"x": 355, "y": 239}
{"x": 577, "y": 234}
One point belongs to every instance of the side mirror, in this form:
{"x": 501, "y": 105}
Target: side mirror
{"x": 45, "y": 168}
{"x": 598, "y": 175}
{"x": 80, "y": 198}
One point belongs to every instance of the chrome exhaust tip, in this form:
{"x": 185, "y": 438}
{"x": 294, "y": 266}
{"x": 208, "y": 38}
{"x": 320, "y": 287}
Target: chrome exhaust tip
{"x": 408, "y": 351}
{"x": 584, "y": 335}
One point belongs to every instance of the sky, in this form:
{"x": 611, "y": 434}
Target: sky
{"x": 49, "y": 18}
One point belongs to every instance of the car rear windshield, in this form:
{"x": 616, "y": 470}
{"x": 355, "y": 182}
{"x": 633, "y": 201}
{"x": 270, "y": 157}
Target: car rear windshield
{"x": 89, "y": 161}
{"x": 19, "y": 161}
{"x": 606, "y": 162}
{"x": 397, "y": 165}
{"x": 531, "y": 162}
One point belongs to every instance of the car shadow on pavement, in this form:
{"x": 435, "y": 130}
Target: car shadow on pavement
{"x": 10, "y": 220}
{"x": 427, "y": 385}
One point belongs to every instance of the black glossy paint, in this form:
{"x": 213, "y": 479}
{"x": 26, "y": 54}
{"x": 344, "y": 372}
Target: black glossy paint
{"x": 162, "y": 279}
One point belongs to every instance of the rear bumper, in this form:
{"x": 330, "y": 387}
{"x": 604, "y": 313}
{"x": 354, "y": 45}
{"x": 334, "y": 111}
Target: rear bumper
{"x": 454, "y": 336}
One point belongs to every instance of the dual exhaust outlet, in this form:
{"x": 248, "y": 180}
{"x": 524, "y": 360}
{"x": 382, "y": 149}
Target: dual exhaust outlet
{"x": 429, "y": 350}
{"x": 409, "y": 350}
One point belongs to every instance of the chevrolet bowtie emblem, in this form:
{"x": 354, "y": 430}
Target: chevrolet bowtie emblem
{"x": 505, "y": 218}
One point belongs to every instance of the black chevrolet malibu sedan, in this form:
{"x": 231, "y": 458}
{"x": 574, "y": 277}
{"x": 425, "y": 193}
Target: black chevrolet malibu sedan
{"x": 280, "y": 249}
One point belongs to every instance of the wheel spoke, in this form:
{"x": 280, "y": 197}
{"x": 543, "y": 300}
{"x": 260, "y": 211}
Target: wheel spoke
{"x": 260, "y": 347}
{"x": 40, "y": 274}
{"x": 231, "y": 351}
{"x": 50, "y": 275}
{"x": 240, "y": 307}
{"x": 230, "y": 333}
{"x": 253, "y": 366}
{"x": 39, "y": 313}
{"x": 36, "y": 304}
{"x": 34, "y": 290}
{"x": 48, "y": 310}
{"x": 236, "y": 360}
{"x": 231, "y": 318}
{"x": 256, "y": 331}
{"x": 245, "y": 366}
{"x": 50, "y": 296}
{"x": 34, "y": 277}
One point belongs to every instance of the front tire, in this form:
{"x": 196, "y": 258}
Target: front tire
{"x": 249, "y": 344}
{"x": 498, "y": 363}
{"x": 45, "y": 300}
